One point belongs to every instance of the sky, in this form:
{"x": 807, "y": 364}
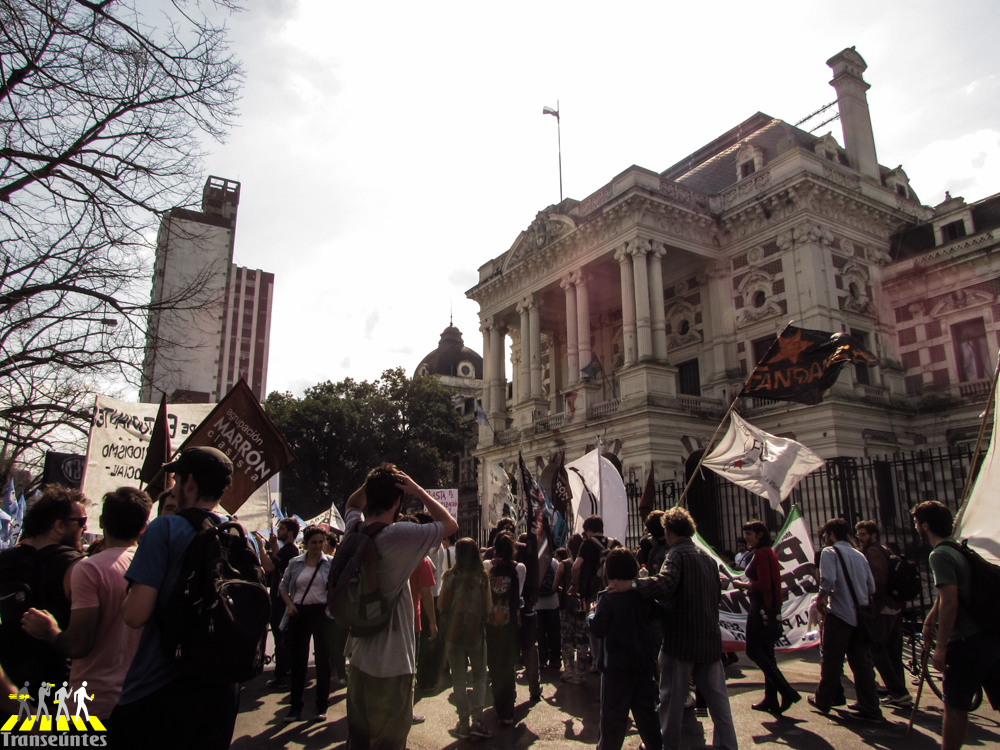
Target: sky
{"x": 388, "y": 150}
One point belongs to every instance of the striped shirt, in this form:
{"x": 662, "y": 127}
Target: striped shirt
{"x": 688, "y": 584}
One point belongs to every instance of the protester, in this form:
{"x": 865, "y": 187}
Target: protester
{"x": 97, "y": 639}
{"x": 48, "y": 552}
{"x": 547, "y": 609}
{"x": 336, "y": 636}
{"x": 465, "y": 604}
{"x": 154, "y": 694}
{"x": 843, "y": 569}
{"x": 966, "y": 654}
{"x": 527, "y": 555}
{"x": 166, "y": 504}
{"x": 430, "y": 651}
{"x": 303, "y": 590}
{"x": 688, "y": 584}
{"x": 653, "y": 547}
{"x": 764, "y": 574}
{"x": 280, "y": 550}
{"x": 506, "y": 579}
{"x": 572, "y": 617}
{"x": 743, "y": 555}
{"x": 630, "y": 641}
{"x": 382, "y": 666}
{"x": 421, "y": 586}
{"x": 886, "y": 648}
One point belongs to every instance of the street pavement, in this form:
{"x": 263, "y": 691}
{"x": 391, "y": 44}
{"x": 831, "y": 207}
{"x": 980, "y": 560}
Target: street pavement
{"x": 569, "y": 716}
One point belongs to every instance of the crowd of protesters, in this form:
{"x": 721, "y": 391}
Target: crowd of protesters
{"x": 458, "y": 615}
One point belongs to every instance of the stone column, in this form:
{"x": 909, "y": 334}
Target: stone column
{"x": 524, "y": 369}
{"x": 498, "y": 378}
{"x": 583, "y": 319}
{"x": 535, "y": 350}
{"x": 487, "y": 363}
{"x": 628, "y": 304}
{"x": 656, "y": 303}
{"x": 644, "y": 335}
{"x": 572, "y": 350}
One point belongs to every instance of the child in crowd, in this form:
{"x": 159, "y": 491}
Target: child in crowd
{"x": 627, "y": 659}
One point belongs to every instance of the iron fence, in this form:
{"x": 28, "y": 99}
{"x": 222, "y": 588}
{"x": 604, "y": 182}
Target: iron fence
{"x": 881, "y": 489}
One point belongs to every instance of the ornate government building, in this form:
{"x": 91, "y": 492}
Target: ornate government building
{"x": 678, "y": 281}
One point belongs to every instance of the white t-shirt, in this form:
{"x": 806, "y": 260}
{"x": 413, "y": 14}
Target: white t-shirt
{"x": 317, "y": 590}
{"x": 401, "y": 547}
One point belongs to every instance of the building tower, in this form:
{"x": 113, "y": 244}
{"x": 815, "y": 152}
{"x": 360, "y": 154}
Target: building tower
{"x": 210, "y": 322}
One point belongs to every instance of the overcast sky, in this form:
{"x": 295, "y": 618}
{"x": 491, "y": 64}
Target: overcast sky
{"x": 387, "y": 150}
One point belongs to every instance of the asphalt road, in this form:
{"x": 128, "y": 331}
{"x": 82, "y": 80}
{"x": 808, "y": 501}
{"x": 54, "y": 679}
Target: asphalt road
{"x": 568, "y": 717}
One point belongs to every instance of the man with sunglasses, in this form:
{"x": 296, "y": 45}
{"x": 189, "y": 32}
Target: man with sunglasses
{"x": 36, "y": 573}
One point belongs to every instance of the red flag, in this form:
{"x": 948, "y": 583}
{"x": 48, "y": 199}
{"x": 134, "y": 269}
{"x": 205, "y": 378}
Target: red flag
{"x": 238, "y": 427}
{"x": 157, "y": 454}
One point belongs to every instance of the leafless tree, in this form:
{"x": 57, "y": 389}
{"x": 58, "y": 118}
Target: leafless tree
{"x": 102, "y": 115}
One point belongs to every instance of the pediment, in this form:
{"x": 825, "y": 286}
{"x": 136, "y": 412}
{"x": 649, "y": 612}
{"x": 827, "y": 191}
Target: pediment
{"x": 544, "y": 230}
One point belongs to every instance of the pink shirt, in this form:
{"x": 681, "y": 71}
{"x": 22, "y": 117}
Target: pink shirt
{"x": 421, "y": 578}
{"x": 99, "y": 581}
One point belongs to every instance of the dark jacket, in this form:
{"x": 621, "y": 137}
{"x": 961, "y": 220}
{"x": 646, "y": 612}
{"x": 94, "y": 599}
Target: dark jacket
{"x": 628, "y": 624}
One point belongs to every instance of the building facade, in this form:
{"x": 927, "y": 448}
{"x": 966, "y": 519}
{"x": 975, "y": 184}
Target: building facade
{"x": 211, "y": 320}
{"x": 637, "y": 313}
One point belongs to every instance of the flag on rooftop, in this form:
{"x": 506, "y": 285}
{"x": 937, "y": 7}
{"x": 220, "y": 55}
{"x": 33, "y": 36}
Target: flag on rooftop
{"x": 767, "y": 465}
{"x": 593, "y": 367}
{"x": 803, "y": 364}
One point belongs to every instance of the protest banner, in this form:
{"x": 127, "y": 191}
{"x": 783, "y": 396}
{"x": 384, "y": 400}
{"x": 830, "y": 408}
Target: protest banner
{"x": 238, "y": 427}
{"x": 119, "y": 438}
{"x": 799, "y": 585}
{"x": 447, "y": 498}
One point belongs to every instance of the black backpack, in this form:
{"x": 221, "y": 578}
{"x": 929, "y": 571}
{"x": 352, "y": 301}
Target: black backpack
{"x": 983, "y": 604}
{"x": 215, "y": 625}
{"x": 547, "y": 586}
{"x": 903, "y": 583}
{"x": 353, "y": 595}
{"x": 601, "y": 576}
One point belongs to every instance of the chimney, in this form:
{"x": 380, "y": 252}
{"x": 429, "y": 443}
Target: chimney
{"x": 859, "y": 141}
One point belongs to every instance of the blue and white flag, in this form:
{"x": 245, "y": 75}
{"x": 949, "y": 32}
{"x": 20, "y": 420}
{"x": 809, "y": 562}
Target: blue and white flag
{"x": 9, "y": 501}
{"x": 336, "y": 520}
{"x": 275, "y": 516}
{"x": 302, "y": 527}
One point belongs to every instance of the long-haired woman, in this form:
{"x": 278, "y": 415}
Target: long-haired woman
{"x": 506, "y": 579}
{"x": 465, "y": 602}
{"x": 764, "y": 587}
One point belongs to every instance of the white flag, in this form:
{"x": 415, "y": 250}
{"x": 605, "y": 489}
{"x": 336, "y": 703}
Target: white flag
{"x": 496, "y": 494}
{"x": 767, "y": 465}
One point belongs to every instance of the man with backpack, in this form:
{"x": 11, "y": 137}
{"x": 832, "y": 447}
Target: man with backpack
{"x": 967, "y": 651}
{"x": 887, "y": 639}
{"x": 162, "y": 703}
{"x": 382, "y": 664}
{"x": 37, "y": 573}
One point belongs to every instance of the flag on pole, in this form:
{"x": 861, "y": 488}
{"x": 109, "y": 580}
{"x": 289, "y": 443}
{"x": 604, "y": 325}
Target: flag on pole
{"x": 767, "y": 465}
{"x": 336, "y": 520}
{"x": 275, "y": 516}
{"x": 157, "y": 454}
{"x": 803, "y": 364}
{"x": 531, "y": 499}
{"x": 302, "y": 526}
{"x": 561, "y": 494}
{"x": 646, "y": 502}
{"x": 481, "y": 415}
{"x": 550, "y": 111}
{"x": 593, "y": 367}
{"x": 238, "y": 427}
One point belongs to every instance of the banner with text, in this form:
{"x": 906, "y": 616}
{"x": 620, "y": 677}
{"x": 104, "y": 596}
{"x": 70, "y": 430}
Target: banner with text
{"x": 799, "y": 585}
{"x": 119, "y": 436}
{"x": 447, "y": 498}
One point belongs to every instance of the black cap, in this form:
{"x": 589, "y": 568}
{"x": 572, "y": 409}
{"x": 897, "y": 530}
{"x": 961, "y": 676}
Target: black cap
{"x": 201, "y": 461}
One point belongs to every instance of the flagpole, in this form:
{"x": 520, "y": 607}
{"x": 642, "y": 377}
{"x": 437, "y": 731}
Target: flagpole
{"x": 979, "y": 441}
{"x": 600, "y": 480}
{"x": 729, "y": 411}
{"x": 559, "y": 142}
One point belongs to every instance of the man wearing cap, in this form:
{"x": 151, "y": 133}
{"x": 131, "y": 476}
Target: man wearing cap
{"x": 156, "y": 705}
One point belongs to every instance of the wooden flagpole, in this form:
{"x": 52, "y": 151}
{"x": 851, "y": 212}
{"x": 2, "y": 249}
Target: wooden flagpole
{"x": 729, "y": 411}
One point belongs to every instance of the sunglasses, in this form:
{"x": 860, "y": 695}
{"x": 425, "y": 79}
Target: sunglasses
{"x": 82, "y": 520}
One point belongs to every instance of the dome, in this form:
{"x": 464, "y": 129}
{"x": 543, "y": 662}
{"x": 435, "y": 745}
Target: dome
{"x": 452, "y": 358}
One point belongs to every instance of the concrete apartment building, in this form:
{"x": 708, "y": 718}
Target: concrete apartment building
{"x": 215, "y": 323}
{"x": 679, "y": 280}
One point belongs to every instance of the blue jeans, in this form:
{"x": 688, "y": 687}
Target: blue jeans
{"x": 710, "y": 679}
{"x": 459, "y": 657}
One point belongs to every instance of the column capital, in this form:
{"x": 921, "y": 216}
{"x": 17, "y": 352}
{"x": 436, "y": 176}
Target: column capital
{"x": 622, "y": 254}
{"x": 657, "y": 251}
{"x": 529, "y": 302}
{"x": 639, "y": 247}
{"x": 718, "y": 270}
{"x": 581, "y": 278}
{"x": 566, "y": 282}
